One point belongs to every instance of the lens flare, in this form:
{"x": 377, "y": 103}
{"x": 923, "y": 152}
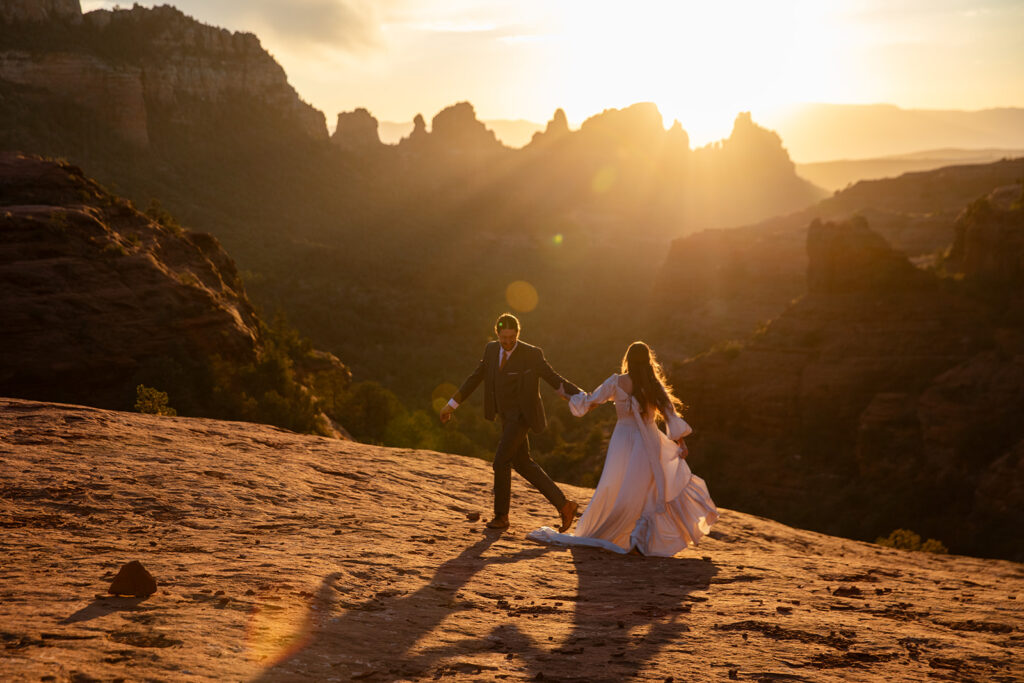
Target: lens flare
{"x": 557, "y": 240}
{"x": 441, "y": 394}
{"x": 521, "y": 296}
{"x": 276, "y": 632}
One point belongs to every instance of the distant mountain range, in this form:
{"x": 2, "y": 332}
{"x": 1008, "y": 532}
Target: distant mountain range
{"x": 827, "y": 132}
{"x": 835, "y": 175}
{"x": 836, "y": 145}
{"x": 818, "y": 133}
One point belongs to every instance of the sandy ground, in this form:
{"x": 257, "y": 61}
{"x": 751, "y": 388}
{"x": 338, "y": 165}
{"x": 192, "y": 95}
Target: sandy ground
{"x": 289, "y": 557}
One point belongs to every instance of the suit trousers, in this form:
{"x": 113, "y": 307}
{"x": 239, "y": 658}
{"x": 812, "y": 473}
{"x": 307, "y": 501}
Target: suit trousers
{"x": 514, "y": 452}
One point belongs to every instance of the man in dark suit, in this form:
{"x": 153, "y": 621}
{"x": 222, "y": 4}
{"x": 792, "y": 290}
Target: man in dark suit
{"x": 511, "y": 371}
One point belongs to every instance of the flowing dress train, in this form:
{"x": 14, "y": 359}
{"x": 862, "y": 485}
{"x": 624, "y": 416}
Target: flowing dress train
{"x": 647, "y": 497}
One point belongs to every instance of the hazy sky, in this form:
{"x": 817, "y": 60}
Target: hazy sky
{"x": 701, "y": 62}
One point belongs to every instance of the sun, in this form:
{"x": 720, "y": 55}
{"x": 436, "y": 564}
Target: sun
{"x": 701, "y": 62}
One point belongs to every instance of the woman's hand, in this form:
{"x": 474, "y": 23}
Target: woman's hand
{"x": 683, "y": 450}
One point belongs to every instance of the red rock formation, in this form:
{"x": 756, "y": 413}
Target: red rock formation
{"x": 114, "y": 92}
{"x": 284, "y": 557}
{"x": 871, "y": 404}
{"x": 131, "y": 66}
{"x": 39, "y": 11}
{"x": 989, "y": 241}
{"x": 723, "y": 284}
{"x": 92, "y": 290}
{"x": 356, "y": 131}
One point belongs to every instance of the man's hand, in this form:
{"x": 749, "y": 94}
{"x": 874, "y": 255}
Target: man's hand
{"x": 446, "y": 413}
{"x": 561, "y": 391}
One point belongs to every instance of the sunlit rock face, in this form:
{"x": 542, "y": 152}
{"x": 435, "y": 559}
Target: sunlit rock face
{"x": 93, "y": 292}
{"x": 142, "y": 70}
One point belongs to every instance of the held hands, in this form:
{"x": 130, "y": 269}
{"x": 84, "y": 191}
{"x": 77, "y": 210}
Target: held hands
{"x": 447, "y": 412}
{"x": 562, "y": 392}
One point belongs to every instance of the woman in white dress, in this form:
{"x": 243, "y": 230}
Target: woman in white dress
{"x": 647, "y": 500}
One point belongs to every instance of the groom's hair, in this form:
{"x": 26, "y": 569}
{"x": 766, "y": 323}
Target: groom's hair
{"x": 506, "y": 321}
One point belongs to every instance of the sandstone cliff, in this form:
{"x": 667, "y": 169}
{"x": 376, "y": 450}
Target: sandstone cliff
{"x": 882, "y": 399}
{"x": 281, "y": 557}
{"x": 143, "y": 69}
{"x": 39, "y": 11}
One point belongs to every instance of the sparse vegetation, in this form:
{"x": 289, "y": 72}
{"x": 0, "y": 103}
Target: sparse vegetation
{"x": 905, "y": 539}
{"x": 152, "y": 401}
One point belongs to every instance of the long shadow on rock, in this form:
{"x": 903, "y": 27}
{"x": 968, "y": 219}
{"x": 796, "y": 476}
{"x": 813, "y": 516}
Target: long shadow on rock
{"x": 376, "y": 636}
{"x": 627, "y": 610}
{"x": 103, "y": 606}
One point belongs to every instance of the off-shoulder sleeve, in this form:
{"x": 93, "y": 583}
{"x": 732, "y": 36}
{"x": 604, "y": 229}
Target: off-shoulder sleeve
{"x": 583, "y": 402}
{"x": 677, "y": 426}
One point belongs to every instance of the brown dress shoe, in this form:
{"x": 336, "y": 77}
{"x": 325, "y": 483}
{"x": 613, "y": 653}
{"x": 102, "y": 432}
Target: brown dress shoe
{"x": 568, "y": 513}
{"x": 499, "y": 522}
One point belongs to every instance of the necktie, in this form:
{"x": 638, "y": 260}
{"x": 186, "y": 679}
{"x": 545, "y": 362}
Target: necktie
{"x": 504, "y": 359}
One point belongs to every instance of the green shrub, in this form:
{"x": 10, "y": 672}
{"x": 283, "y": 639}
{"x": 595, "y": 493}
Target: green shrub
{"x": 905, "y": 539}
{"x": 152, "y": 401}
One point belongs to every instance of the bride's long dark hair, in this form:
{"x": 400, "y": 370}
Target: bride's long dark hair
{"x": 649, "y": 386}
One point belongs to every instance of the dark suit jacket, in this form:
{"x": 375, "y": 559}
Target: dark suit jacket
{"x": 525, "y": 367}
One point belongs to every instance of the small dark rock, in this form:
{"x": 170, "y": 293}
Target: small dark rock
{"x": 473, "y": 516}
{"x": 733, "y": 674}
{"x": 133, "y": 579}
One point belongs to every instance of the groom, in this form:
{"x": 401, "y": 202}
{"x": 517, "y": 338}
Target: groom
{"x": 511, "y": 370}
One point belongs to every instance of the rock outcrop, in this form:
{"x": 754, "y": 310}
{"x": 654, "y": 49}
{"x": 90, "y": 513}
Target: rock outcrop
{"x": 142, "y": 69}
{"x": 723, "y": 284}
{"x": 847, "y": 258}
{"x": 874, "y": 402}
{"x": 289, "y": 557}
{"x": 94, "y": 292}
{"x": 356, "y": 131}
{"x": 39, "y": 11}
{"x": 989, "y": 238}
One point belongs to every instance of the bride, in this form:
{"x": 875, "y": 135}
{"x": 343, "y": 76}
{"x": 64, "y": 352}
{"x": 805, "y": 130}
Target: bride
{"x": 647, "y": 500}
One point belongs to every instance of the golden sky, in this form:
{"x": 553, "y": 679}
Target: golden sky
{"x": 701, "y": 62}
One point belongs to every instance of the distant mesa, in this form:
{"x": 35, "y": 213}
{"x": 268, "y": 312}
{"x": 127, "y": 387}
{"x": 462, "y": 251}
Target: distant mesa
{"x": 453, "y": 130}
{"x": 356, "y": 131}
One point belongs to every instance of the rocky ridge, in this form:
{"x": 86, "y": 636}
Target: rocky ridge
{"x": 886, "y": 397}
{"x": 276, "y": 560}
{"x": 724, "y": 283}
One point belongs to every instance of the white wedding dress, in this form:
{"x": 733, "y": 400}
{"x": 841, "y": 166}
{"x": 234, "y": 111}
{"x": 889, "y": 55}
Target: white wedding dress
{"x": 647, "y": 497}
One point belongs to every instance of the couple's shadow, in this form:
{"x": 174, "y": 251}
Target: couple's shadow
{"x": 624, "y": 611}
